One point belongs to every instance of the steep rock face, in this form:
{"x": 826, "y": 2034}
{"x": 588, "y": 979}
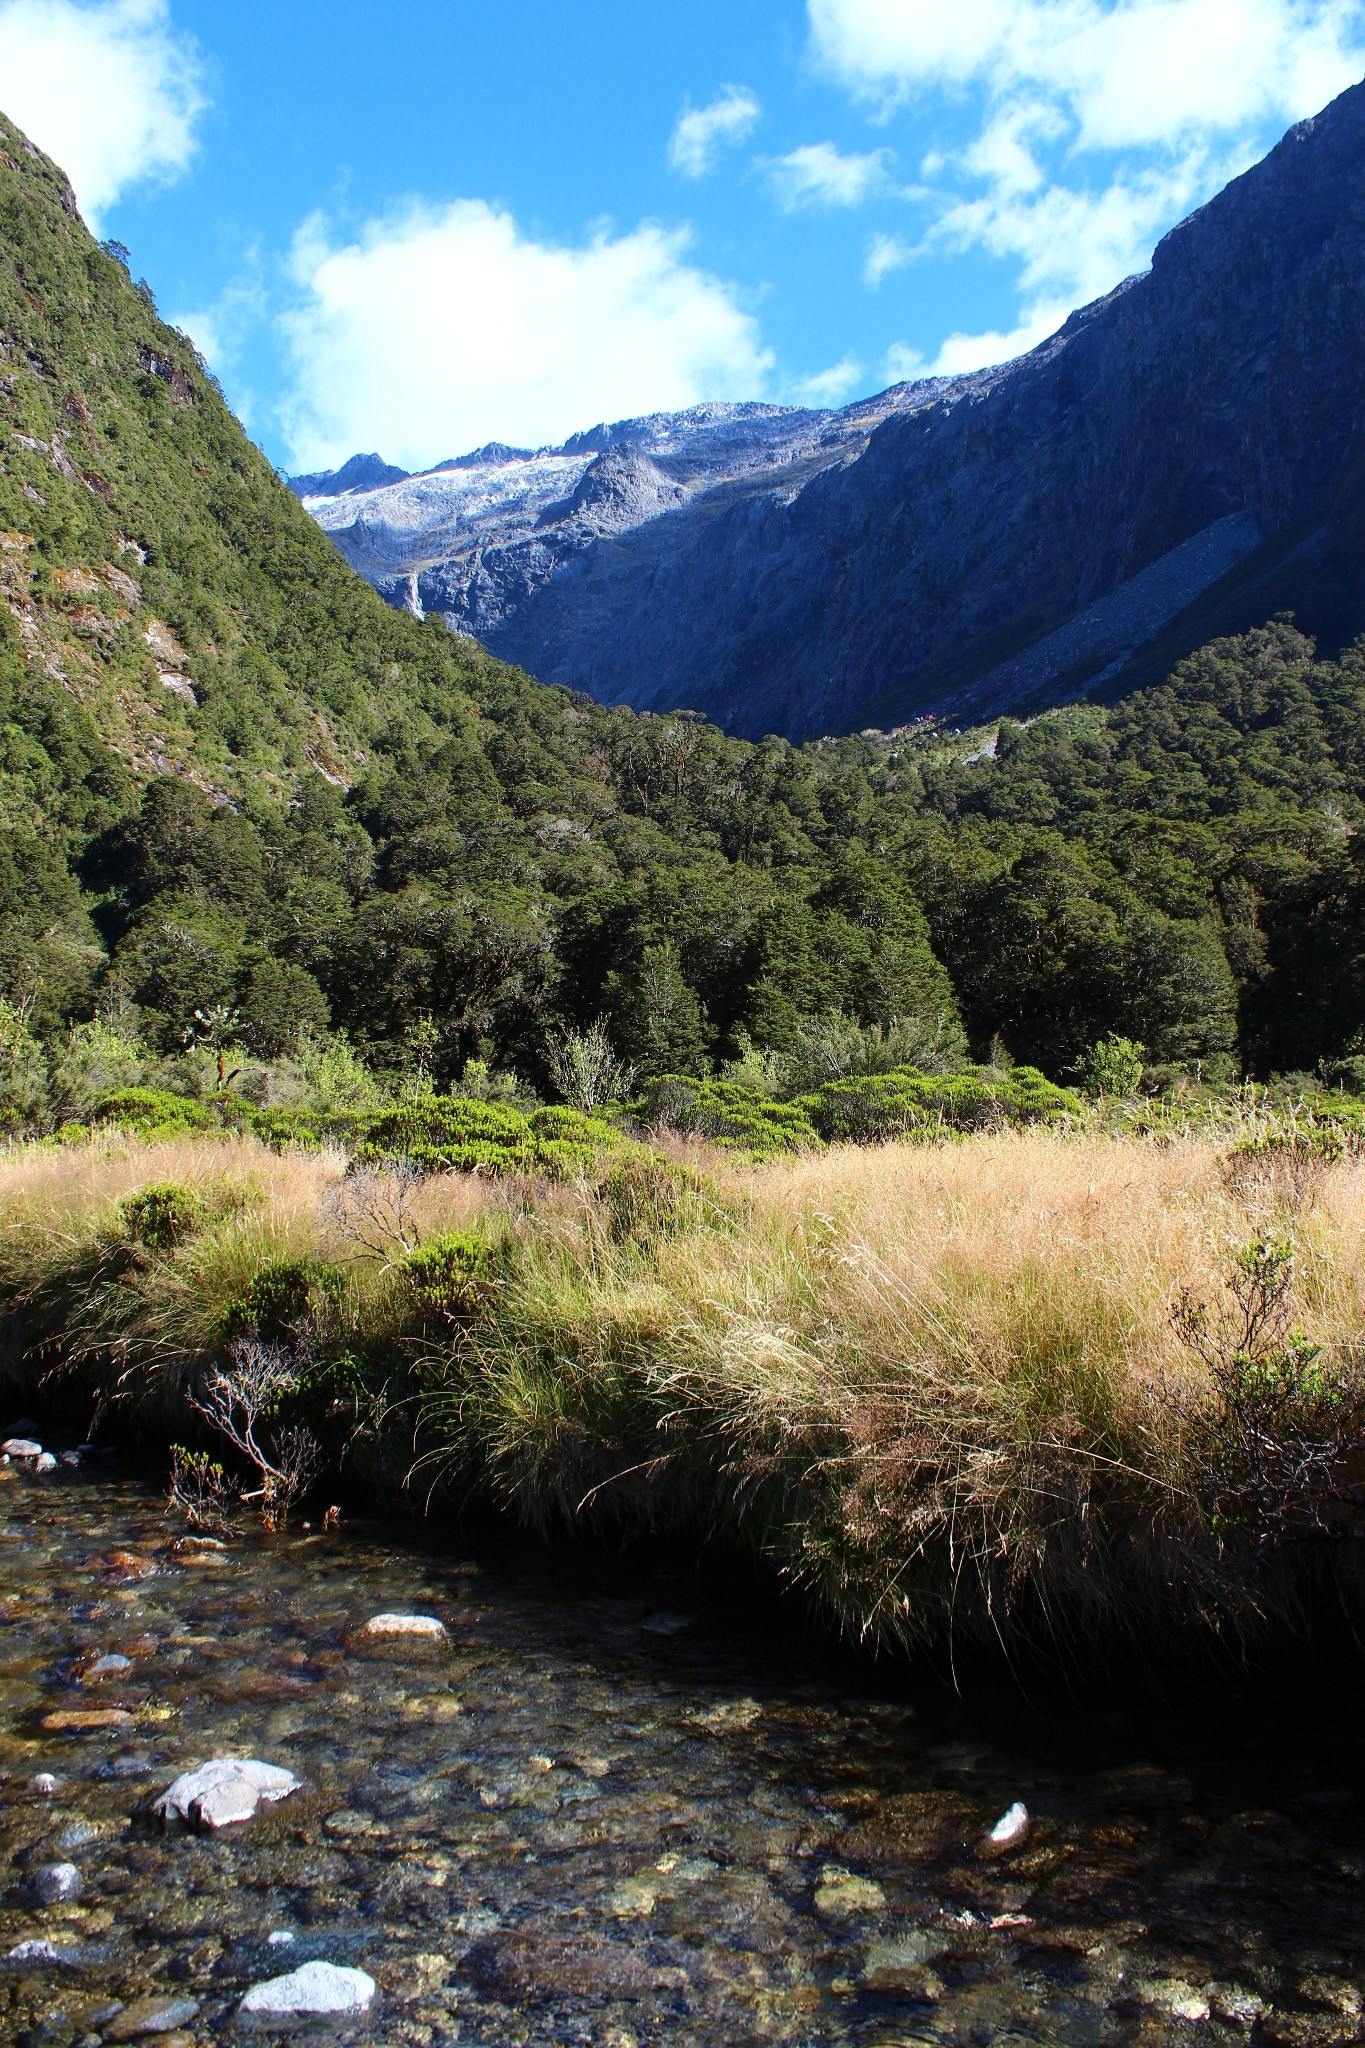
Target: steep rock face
{"x": 975, "y": 545}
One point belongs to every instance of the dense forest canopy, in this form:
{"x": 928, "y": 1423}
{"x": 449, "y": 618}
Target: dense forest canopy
{"x": 242, "y": 799}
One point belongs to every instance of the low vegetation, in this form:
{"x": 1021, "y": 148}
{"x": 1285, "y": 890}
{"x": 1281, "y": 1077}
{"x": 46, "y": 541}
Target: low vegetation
{"x": 1034, "y": 1383}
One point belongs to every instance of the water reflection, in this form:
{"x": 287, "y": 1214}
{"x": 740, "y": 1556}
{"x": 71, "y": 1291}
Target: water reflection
{"x": 612, "y": 1814}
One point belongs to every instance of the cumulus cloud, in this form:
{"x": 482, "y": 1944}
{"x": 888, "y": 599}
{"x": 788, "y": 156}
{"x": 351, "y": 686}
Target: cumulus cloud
{"x": 1093, "y": 125}
{"x": 703, "y": 134}
{"x": 820, "y": 175}
{"x": 446, "y": 327}
{"x": 111, "y": 90}
{"x": 1128, "y": 72}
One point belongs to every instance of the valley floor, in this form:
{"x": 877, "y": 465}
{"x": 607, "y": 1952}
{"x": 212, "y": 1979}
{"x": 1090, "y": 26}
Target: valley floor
{"x": 1026, "y": 1386}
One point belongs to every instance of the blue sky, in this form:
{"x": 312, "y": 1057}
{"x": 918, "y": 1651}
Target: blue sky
{"x": 421, "y": 227}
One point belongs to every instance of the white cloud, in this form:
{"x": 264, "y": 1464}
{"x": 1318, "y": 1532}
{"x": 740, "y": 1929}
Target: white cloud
{"x": 885, "y": 253}
{"x": 819, "y": 175}
{"x": 445, "y": 327}
{"x": 702, "y": 134}
{"x": 826, "y": 387}
{"x": 1128, "y": 72}
{"x": 1091, "y": 126}
{"x": 110, "y": 90}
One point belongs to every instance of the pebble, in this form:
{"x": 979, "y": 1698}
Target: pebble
{"x": 40, "y": 1954}
{"x": 425, "y": 1626}
{"x": 281, "y": 1937}
{"x": 841, "y": 1892}
{"x": 44, "y": 1462}
{"x": 44, "y": 1784}
{"x": 54, "y": 1883}
{"x": 315, "y": 1990}
{"x": 222, "y": 1792}
{"x": 110, "y": 1665}
{"x": 151, "y": 2016}
{"x": 79, "y": 1835}
{"x": 1010, "y": 1832}
{"x": 82, "y": 1721}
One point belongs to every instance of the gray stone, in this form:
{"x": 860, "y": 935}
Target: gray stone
{"x": 223, "y": 1792}
{"x": 315, "y": 1990}
{"x": 1010, "y": 1832}
{"x": 55, "y": 1883}
{"x": 39, "y": 1955}
{"x": 21, "y": 1448}
{"x": 44, "y": 1784}
{"x": 148, "y": 2016}
{"x": 44, "y": 1462}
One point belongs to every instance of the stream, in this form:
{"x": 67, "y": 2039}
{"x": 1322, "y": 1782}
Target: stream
{"x": 614, "y": 1807}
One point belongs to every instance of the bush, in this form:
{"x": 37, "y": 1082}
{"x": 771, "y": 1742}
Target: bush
{"x": 728, "y": 1113}
{"x": 452, "y": 1276}
{"x": 445, "y": 1134}
{"x": 1113, "y": 1066}
{"x": 162, "y": 1216}
{"x": 875, "y": 1108}
{"x": 288, "y": 1300}
{"x": 156, "y": 1113}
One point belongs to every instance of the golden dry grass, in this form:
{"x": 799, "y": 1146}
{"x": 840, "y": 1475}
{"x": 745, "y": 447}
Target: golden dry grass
{"x": 941, "y": 1386}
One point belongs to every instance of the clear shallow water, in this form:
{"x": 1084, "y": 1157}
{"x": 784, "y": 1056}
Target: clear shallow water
{"x": 618, "y": 1813}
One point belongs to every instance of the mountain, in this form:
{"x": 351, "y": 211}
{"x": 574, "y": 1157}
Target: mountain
{"x": 243, "y": 801}
{"x": 1184, "y": 457}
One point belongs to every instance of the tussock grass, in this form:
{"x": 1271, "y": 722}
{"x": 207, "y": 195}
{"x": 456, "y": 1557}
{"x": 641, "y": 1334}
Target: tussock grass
{"x": 941, "y": 1388}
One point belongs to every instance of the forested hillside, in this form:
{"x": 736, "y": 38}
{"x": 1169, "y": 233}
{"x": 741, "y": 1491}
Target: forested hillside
{"x": 245, "y": 801}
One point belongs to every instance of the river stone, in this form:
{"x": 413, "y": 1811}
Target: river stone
{"x": 44, "y": 1462}
{"x": 425, "y": 1627}
{"x": 55, "y": 1883}
{"x": 314, "y": 1991}
{"x": 44, "y": 1784}
{"x": 520, "y": 1969}
{"x": 223, "y": 1792}
{"x": 111, "y": 1665}
{"x": 38, "y": 1955}
{"x": 1010, "y": 1832}
{"x": 841, "y": 1892}
{"x": 21, "y": 1447}
{"x": 85, "y": 1720}
{"x": 151, "y": 2016}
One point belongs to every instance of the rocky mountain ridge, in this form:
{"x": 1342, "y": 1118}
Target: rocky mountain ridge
{"x": 1183, "y": 457}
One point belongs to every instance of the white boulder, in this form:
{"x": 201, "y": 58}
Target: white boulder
{"x": 313, "y": 1991}
{"x": 424, "y": 1626}
{"x": 223, "y": 1792}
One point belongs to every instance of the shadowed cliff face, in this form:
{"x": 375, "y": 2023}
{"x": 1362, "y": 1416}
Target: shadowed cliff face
{"x": 974, "y": 546}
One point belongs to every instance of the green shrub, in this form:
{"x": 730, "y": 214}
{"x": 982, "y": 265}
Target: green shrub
{"x": 156, "y": 1113}
{"x": 453, "y": 1275}
{"x": 1113, "y": 1066}
{"x": 728, "y": 1113}
{"x": 162, "y": 1216}
{"x": 459, "y": 1134}
{"x": 877, "y": 1107}
{"x": 287, "y": 1299}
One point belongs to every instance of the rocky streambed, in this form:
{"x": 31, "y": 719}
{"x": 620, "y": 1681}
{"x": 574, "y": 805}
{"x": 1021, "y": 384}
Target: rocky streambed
{"x": 493, "y": 1797}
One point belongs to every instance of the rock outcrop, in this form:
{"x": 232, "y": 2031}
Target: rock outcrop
{"x": 1189, "y": 449}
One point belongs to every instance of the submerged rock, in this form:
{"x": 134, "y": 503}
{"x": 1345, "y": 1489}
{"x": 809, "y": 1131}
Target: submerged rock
{"x": 1010, "y": 1832}
{"x": 85, "y": 1720}
{"x": 522, "y": 1969}
{"x": 314, "y": 1991}
{"x": 422, "y": 1627}
{"x": 43, "y": 1784}
{"x": 54, "y": 1883}
{"x": 146, "y": 2016}
{"x": 841, "y": 1892}
{"x": 40, "y": 1955}
{"x": 222, "y": 1792}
